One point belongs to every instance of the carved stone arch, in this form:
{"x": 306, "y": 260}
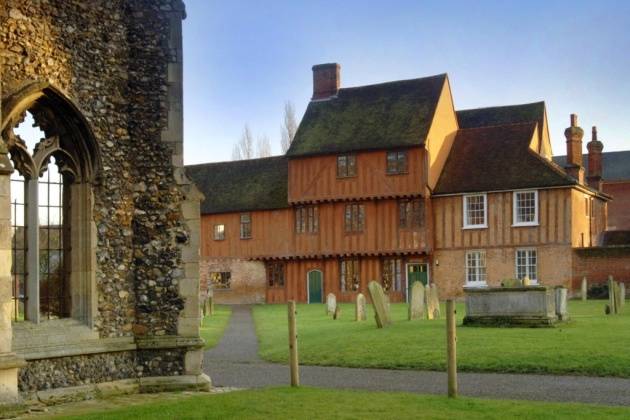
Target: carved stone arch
{"x": 70, "y": 140}
{"x": 57, "y": 116}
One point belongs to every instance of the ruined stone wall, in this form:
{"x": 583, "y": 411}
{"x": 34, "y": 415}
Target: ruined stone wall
{"x": 119, "y": 63}
{"x": 110, "y": 58}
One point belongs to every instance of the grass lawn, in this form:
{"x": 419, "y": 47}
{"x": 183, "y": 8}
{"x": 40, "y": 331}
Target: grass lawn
{"x": 313, "y": 403}
{"x": 591, "y": 344}
{"x": 213, "y": 326}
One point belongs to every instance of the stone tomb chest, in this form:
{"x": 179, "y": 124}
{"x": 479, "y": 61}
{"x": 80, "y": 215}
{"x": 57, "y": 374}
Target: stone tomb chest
{"x": 532, "y": 306}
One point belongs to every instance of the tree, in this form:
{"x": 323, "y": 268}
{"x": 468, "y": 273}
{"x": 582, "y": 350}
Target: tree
{"x": 289, "y": 127}
{"x": 244, "y": 149}
{"x": 264, "y": 147}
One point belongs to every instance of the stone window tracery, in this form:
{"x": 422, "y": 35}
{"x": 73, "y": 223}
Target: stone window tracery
{"x": 55, "y": 158}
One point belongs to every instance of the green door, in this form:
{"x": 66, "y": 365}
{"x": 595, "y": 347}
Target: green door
{"x": 315, "y": 293}
{"x": 416, "y": 272}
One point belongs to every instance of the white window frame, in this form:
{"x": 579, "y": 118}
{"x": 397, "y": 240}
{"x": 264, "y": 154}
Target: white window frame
{"x": 532, "y": 280}
{"x": 479, "y": 283}
{"x": 515, "y": 222}
{"x": 465, "y": 211}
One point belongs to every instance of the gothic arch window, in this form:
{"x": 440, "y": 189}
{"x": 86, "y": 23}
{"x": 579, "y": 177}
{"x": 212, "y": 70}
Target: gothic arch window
{"x": 53, "y": 241}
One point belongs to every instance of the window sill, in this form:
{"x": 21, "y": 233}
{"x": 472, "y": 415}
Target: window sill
{"x": 245, "y": 239}
{"x": 476, "y": 284}
{"x": 346, "y": 177}
{"x": 475, "y": 227}
{"x": 528, "y": 224}
{"x": 396, "y": 173}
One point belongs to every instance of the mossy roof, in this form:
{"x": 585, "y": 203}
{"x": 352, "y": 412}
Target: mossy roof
{"x": 502, "y": 115}
{"x": 242, "y": 185}
{"x": 497, "y": 158}
{"x": 383, "y": 116}
{"x": 615, "y": 165}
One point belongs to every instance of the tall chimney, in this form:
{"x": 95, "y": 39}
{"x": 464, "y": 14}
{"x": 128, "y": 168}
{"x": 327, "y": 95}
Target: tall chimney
{"x": 574, "y": 135}
{"x": 595, "y": 147}
{"x": 325, "y": 80}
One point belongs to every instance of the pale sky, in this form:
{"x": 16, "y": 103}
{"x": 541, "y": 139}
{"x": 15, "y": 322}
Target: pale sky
{"x": 244, "y": 59}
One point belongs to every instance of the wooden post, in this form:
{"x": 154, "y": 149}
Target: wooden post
{"x": 451, "y": 349}
{"x": 293, "y": 350}
{"x": 584, "y": 289}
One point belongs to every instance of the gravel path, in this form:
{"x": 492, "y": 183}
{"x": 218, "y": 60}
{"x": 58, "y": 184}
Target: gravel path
{"x": 234, "y": 362}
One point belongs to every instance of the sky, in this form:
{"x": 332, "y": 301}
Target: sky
{"x": 244, "y": 59}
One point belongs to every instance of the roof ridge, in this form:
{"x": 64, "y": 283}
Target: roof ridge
{"x": 500, "y": 106}
{"x": 484, "y": 127}
{"x": 391, "y": 82}
{"x": 237, "y": 161}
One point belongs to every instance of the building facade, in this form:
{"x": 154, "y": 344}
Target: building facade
{"x": 99, "y": 245}
{"x": 388, "y": 182}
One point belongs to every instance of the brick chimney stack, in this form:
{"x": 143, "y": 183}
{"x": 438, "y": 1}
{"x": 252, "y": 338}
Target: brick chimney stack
{"x": 574, "y": 135}
{"x": 326, "y": 80}
{"x": 595, "y": 147}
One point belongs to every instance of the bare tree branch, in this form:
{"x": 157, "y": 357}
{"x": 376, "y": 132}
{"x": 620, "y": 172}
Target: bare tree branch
{"x": 264, "y": 147}
{"x": 289, "y": 127}
{"x": 244, "y": 149}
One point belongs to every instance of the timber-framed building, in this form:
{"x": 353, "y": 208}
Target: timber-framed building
{"x": 389, "y": 182}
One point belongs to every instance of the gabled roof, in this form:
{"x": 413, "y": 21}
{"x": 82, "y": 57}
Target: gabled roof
{"x": 497, "y": 158}
{"x": 502, "y": 115}
{"x": 242, "y": 185}
{"x": 387, "y": 115}
{"x": 615, "y": 165}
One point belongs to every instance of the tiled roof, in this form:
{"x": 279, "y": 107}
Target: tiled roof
{"x": 501, "y": 115}
{"x": 615, "y": 165}
{"x": 497, "y": 158}
{"x": 242, "y": 185}
{"x": 387, "y": 115}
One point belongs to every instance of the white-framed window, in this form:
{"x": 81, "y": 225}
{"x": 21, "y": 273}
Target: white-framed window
{"x": 475, "y": 211}
{"x": 527, "y": 264}
{"x": 476, "y": 268}
{"x": 525, "y": 208}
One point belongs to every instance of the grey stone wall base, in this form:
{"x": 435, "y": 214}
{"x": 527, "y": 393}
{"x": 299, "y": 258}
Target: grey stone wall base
{"x": 509, "y": 321}
{"x": 199, "y": 383}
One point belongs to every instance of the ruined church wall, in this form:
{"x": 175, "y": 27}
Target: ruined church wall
{"x": 114, "y": 60}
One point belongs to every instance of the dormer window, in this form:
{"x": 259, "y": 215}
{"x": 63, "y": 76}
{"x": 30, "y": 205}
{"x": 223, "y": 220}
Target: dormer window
{"x": 475, "y": 211}
{"x": 346, "y": 166}
{"x": 525, "y": 208}
{"x": 397, "y": 162}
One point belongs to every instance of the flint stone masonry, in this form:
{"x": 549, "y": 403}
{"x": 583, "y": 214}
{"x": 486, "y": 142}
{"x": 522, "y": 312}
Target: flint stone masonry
{"x": 533, "y": 306}
{"x": 119, "y": 64}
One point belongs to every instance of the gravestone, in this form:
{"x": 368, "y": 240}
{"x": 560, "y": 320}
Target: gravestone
{"x": 387, "y": 303}
{"x": 433, "y": 302}
{"x": 622, "y": 294}
{"x": 417, "y": 307}
{"x": 618, "y": 297}
{"x": 331, "y": 304}
{"x": 561, "y": 303}
{"x": 584, "y": 289}
{"x": 337, "y": 312}
{"x": 381, "y": 312}
{"x": 360, "y": 308}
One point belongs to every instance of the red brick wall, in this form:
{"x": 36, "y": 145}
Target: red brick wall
{"x": 596, "y": 264}
{"x": 619, "y": 207}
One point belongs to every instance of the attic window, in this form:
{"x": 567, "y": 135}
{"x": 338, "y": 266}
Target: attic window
{"x": 219, "y": 232}
{"x": 346, "y": 166}
{"x": 525, "y": 207}
{"x": 475, "y": 211}
{"x": 397, "y": 162}
{"x": 246, "y": 226}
